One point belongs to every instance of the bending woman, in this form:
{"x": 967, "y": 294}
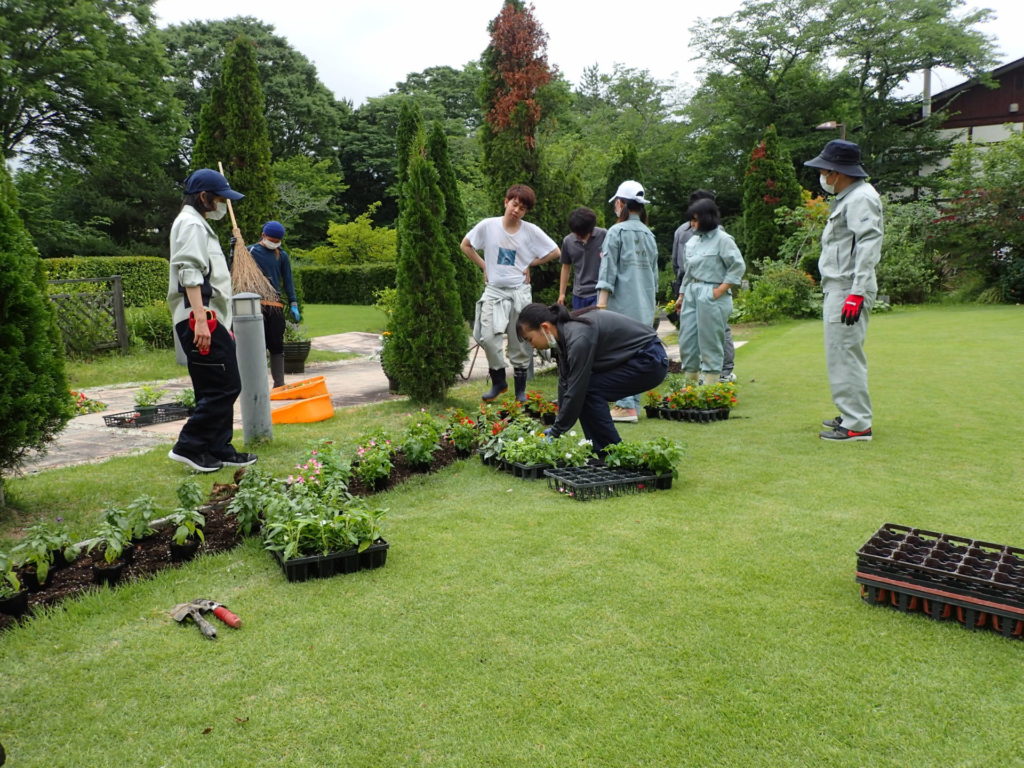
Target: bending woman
{"x": 713, "y": 265}
{"x": 602, "y": 356}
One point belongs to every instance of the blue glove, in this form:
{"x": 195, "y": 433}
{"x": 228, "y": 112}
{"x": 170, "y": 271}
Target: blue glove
{"x": 549, "y": 435}
{"x": 295, "y": 313}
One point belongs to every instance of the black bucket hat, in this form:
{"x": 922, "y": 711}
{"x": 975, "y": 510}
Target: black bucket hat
{"x": 842, "y": 156}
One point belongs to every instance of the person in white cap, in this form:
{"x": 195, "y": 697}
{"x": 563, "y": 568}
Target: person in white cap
{"x": 851, "y": 246}
{"x": 628, "y": 280}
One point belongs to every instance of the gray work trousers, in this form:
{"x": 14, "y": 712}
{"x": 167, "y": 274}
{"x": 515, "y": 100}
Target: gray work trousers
{"x": 846, "y": 362}
{"x": 703, "y": 324}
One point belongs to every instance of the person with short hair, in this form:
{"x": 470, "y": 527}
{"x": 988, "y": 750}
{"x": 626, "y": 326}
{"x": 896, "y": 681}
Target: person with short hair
{"x": 275, "y": 265}
{"x": 199, "y": 296}
{"x": 680, "y": 238}
{"x": 581, "y": 255}
{"x": 602, "y": 356}
{"x": 628, "y": 279}
{"x": 851, "y": 247}
{"x": 511, "y": 247}
{"x": 712, "y": 266}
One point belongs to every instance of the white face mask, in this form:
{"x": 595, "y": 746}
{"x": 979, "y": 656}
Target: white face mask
{"x": 219, "y": 212}
{"x": 552, "y": 341}
{"x": 830, "y": 188}
{"x": 269, "y": 244}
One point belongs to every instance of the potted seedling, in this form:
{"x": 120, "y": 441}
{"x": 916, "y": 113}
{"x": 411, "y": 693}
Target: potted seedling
{"x": 146, "y": 399}
{"x": 110, "y": 541}
{"x": 13, "y": 598}
{"x": 187, "y": 400}
{"x": 658, "y": 457}
{"x": 296, "y": 347}
{"x": 462, "y": 432}
{"x": 187, "y": 521}
{"x": 135, "y": 519}
{"x": 653, "y": 403}
{"x": 45, "y": 547}
{"x": 421, "y": 441}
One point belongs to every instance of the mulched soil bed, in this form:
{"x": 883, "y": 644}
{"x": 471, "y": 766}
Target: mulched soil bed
{"x": 152, "y": 554}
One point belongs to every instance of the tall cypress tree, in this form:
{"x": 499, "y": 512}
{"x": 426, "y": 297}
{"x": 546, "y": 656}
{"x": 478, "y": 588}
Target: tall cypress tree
{"x": 468, "y": 280}
{"x": 34, "y": 400}
{"x": 768, "y": 184}
{"x": 233, "y": 130}
{"x": 428, "y": 344}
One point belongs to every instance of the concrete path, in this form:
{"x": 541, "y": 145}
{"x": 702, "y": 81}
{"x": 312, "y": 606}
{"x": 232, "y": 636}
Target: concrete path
{"x": 87, "y": 440}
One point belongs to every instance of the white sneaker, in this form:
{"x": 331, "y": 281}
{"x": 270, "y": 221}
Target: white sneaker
{"x": 727, "y": 378}
{"x": 624, "y": 415}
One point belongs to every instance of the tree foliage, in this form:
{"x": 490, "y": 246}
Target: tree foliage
{"x": 428, "y": 343}
{"x": 234, "y": 131}
{"x": 768, "y": 184}
{"x": 34, "y": 400}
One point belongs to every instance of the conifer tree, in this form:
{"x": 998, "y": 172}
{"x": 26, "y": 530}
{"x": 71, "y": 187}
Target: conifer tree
{"x": 34, "y": 400}
{"x": 515, "y": 67}
{"x": 468, "y": 280}
{"x": 233, "y": 130}
{"x": 408, "y": 135}
{"x": 428, "y": 343}
{"x": 768, "y": 184}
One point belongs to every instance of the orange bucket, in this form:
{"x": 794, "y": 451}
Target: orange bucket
{"x": 300, "y": 390}
{"x": 305, "y": 411}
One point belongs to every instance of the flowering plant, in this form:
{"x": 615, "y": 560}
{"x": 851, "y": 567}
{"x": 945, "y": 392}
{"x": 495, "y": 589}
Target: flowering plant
{"x": 653, "y": 399}
{"x": 721, "y": 394}
{"x": 84, "y": 405}
{"x": 539, "y": 404}
{"x": 571, "y": 450}
{"x": 373, "y": 458}
{"x": 686, "y": 397}
{"x": 422, "y": 436}
{"x": 462, "y": 431}
{"x": 659, "y": 456}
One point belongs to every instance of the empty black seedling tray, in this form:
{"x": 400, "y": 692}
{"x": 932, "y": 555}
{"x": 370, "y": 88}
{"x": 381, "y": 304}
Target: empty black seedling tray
{"x": 135, "y": 419}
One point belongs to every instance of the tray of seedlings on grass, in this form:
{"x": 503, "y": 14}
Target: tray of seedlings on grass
{"x": 540, "y": 408}
{"x": 692, "y": 403}
{"x": 979, "y": 583}
{"x": 659, "y": 457}
{"x": 589, "y": 483}
{"x": 529, "y": 454}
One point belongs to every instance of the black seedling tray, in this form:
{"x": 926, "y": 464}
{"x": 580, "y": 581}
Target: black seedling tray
{"x": 932, "y": 557}
{"x": 527, "y": 471}
{"x": 694, "y": 415}
{"x": 134, "y": 419}
{"x": 587, "y": 483}
{"x": 333, "y": 564}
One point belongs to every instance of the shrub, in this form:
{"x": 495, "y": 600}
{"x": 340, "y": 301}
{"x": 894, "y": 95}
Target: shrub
{"x": 356, "y": 284}
{"x": 355, "y": 242}
{"x": 909, "y": 270}
{"x": 805, "y": 223}
{"x": 780, "y": 291}
{"x": 768, "y": 184}
{"x": 143, "y": 278}
{"x": 150, "y": 326}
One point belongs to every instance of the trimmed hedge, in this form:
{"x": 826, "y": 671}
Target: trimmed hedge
{"x": 143, "y": 278}
{"x": 350, "y": 284}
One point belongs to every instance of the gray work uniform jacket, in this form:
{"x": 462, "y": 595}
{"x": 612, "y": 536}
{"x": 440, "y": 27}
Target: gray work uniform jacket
{"x": 851, "y": 244}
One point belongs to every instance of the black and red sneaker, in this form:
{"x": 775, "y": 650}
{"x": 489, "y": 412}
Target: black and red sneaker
{"x": 842, "y": 434}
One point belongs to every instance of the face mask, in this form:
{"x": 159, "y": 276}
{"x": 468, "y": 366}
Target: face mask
{"x": 269, "y": 244}
{"x": 830, "y": 188}
{"x": 218, "y": 213}
{"x": 552, "y": 342}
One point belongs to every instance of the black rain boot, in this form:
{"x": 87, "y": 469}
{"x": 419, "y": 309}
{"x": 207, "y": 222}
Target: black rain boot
{"x": 499, "y": 384}
{"x": 277, "y": 369}
{"x": 519, "y": 374}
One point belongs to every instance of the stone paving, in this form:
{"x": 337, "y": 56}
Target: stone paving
{"x": 87, "y": 440}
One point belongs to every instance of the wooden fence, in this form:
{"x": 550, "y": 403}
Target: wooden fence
{"x": 91, "y": 318}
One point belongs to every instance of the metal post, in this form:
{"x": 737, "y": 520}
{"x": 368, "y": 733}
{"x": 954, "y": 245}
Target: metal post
{"x": 251, "y": 351}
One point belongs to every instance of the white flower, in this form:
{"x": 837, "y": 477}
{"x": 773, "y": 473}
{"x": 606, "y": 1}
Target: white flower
{"x": 584, "y": 441}
{"x": 521, "y": 440}
{"x": 572, "y": 433}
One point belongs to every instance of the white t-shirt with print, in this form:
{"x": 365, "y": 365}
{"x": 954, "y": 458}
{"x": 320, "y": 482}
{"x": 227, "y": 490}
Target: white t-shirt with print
{"x": 508, "y": 255}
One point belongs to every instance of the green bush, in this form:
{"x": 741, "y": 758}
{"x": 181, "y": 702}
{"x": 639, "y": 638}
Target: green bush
{"x": 780, "y": 291}
{"x": 355, "y": 284}
{"x": 143, "y": 278}
{"x": 354, "y": 242}
{"x": 909, "y": 270}
{"x": 150, "y": 326}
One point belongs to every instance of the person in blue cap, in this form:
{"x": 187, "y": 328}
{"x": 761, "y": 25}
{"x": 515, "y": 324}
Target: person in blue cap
{"x": 199, "y": 296}
{"x": 851, "y": 247}
{"x": 275, "y": 265}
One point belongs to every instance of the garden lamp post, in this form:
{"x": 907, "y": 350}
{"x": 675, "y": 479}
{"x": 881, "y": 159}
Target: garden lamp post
{"x": 831, "y": 125}
{"x": 251, "y": 351}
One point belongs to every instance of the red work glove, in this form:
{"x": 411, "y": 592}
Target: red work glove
{"x": 211, "y": 321}
{"x": 850, "y": 313}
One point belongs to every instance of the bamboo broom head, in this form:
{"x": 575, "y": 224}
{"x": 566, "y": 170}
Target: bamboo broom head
{"x": 246, "y": 276}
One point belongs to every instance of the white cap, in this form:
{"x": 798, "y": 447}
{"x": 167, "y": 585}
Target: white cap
{"x": 630, "y": 190}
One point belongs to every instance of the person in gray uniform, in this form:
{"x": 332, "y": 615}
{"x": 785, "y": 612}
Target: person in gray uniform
{"x": 713, "y": 265}
{"x": 851, "y": 247}
{"x": 681, "y": 237}
{"x": 602, "y": 356}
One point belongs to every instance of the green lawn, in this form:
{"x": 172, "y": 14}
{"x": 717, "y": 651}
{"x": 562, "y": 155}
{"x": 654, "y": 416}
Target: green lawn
{"x": 159, "y": 364}
{"x": 715, "y": 624}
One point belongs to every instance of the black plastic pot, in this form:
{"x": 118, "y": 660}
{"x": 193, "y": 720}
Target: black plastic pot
{"x": 652, "y": 411}
{"x": 182, "y": 552}
{"x": 108, "y": 573}
{"x": 16, "y": 604}
{"x": 295, "y": 354}
{"x": 30, "y": 581}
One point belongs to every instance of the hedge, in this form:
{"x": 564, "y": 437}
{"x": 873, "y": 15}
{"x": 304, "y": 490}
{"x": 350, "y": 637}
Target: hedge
{"x": 143, "y": 278}
{"x": 350, "y": 284}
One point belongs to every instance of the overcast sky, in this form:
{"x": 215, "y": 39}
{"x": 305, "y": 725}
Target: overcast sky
{"x": 362, "y": 49}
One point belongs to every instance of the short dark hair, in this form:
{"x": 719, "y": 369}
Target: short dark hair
{"x": 582, "y": 221}
{"x": 195, "y": 199}
{"x": 702, "y": 194}
{"x": 523, "y": 194}
{"x": 706, "y": 213}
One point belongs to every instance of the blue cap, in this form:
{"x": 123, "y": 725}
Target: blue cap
{"x": 274, "y": 229}
{"x": 208, "y": 180}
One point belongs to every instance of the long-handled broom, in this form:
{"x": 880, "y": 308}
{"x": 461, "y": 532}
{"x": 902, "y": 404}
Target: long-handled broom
{"x": 246, "y": 276}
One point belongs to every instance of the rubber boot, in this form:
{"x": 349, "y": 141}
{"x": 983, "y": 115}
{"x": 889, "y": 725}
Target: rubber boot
{"x": 690, "y": 377}
{"x": 709, "y": 377}
{"x": 499, "y": 384}
{"x": 519, "y": 374}
{"x": 277, "y": 369}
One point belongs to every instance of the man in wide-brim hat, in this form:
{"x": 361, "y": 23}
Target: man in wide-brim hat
{"x": 851, "y": 246}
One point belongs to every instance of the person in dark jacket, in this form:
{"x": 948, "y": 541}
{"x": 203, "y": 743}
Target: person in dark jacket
{"x": 602, "y": 356}
{"x": 273, "y": 262}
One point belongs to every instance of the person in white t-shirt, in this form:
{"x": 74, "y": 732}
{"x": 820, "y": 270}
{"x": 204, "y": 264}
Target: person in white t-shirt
{"x": 510, "y": 248}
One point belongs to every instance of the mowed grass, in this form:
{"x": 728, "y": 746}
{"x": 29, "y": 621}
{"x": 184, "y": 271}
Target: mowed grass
{"x": 142, "y": 365}
{"x": 715, "y": 624}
